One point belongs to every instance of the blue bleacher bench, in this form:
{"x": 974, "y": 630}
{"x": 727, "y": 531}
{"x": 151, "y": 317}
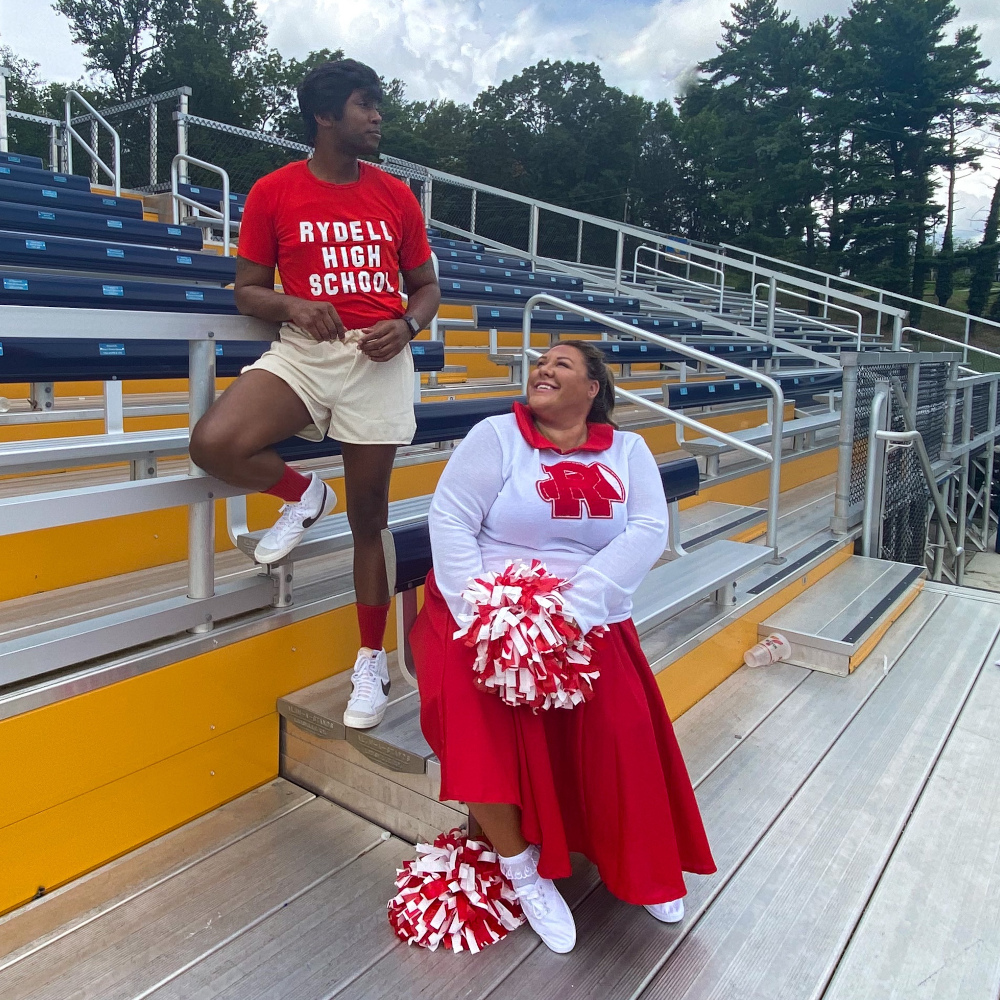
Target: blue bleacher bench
{"x": 22, "y": 160}
{"x": 209, "y": 195}
{"x": 212, "y": 198}
{"x": 87, "y": 225}
{"x": 630, "y": 352}
{"x": 489, "y": 259}
{"x": 54, "y": 196}
{"x": 518, "y": 276}
{"x": 45, "y": 178}
{"x": 55, "y": 253}
{"x": 43, "y": 360}
{"x": 507, "y": 318}
{"x": 465, "y": 290}
{"x": 734, "y": 390}
{"x": 31, "y": 289}
{"x": 447, "y": 244}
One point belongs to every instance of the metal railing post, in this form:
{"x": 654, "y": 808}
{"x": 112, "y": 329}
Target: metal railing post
{"x": 472, "y": 213}
{"x": 826, "y": 301}
{"x": 182, "y": 132}
{"x": 579, "y": 242}
{"x": 619, "y": 253}
{"x": 533, "y": 218}
{"x": 897, "y": 333}
{"x": 201, "y": 516}
{"x": 54, "y": 147}
{"x": 965, "y": 340}
{"x": 154, "y": 139}
{"x": 772, "y": 301}
{"x": 963, "y": 483}
{"x": 874, "y": 478}
{"x": 4, "y": 73}
{"x": 95, "y": 145}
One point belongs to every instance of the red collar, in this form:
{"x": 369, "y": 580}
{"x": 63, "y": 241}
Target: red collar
{"x": 599, "y": 436}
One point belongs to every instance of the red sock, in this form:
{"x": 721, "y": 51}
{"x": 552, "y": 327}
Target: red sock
{"x": 371, "y": 621}
{"x": 290, "y": 486}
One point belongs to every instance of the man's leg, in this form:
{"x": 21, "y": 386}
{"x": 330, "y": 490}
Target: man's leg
{"x": 367, "y": 468}
{"x": 233, "y": 440}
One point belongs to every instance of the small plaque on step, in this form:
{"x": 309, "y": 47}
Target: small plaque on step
{"x": 384, "y": 754}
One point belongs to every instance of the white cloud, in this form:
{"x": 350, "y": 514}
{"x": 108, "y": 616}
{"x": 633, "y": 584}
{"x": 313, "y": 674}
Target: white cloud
{"x": 455, "y": 48}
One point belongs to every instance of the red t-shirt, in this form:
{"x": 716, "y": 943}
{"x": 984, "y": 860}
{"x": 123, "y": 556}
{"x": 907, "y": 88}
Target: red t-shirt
{"x": 342, "y": 243}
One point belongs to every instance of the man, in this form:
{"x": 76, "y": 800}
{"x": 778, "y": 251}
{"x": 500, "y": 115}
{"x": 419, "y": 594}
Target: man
{"x": 340, "y": 233}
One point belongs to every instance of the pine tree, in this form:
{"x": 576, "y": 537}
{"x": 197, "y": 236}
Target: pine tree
{"x": 987, "y": 256}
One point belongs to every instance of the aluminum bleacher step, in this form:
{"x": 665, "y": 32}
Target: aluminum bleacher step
{"x": 836, "y": 622}
{"x": 389, "y": 774}
{"x": 709, "y": 571}
{"x": 762, "y": 434}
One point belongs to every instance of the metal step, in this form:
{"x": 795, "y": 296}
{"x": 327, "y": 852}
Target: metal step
{"x": 836, "y": 622}
{"x": 387, "y": 774}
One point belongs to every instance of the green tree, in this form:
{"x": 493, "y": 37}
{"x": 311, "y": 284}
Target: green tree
{"x": 118, "y": 37}
{"x": 985, "y": 259}
{"x": 903, "y": 83}
{"x": 215, "y": 47}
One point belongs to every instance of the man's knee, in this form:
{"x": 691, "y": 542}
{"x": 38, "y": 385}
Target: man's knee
{"x": 211, "y": 448}
{"x": 368, "y": 515}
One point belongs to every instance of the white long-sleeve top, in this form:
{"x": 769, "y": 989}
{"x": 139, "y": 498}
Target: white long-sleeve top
{"x": 596, "y": 516}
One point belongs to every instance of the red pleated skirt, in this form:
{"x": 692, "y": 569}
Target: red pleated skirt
{"x": 605, "y": 779}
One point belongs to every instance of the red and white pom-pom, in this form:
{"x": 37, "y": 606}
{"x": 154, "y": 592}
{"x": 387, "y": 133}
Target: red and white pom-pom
{"x": 454, "y": 895}
{"x": 528, "y": 650}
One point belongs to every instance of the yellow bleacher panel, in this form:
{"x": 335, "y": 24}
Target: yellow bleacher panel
{"x": 114, "y": 768}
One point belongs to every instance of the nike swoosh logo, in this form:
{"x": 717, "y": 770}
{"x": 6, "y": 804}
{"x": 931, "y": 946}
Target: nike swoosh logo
{"x": 308, "y": 522}
{"x": 385, "y": 686}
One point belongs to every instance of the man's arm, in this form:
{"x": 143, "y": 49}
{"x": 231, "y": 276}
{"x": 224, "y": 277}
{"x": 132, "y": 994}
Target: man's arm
{"x": 423, "y": 296}
{"x": 255, "y": 296}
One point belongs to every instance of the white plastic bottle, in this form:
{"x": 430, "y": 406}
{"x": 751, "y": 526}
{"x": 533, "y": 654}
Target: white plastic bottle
{"x": 770, "y": 650}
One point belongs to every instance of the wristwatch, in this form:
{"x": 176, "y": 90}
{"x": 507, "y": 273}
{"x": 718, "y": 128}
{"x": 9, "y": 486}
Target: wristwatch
{"x": 413, "y": 324}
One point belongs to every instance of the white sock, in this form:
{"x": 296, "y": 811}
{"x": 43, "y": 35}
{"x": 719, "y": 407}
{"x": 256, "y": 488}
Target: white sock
{"x": 521, "y": 869}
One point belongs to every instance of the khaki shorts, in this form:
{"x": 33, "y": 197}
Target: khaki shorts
{"x": 350, "y": 398}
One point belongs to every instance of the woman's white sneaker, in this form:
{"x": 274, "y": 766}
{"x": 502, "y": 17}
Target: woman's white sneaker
{"x": 668, "y": 913}
{"x": 549, "y": 915}
{"x": 370, "y": 690}
{"x": 317, "y": 501}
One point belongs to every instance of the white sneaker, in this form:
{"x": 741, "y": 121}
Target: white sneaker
{"x": 668, "y": 913}
{"x": 317, "y": 501}
{"x": 549, "y": 915}
{"x": 370, "y": 696}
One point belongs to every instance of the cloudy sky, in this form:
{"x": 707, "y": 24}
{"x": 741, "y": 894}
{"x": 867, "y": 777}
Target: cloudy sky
{"x": 455, "y": 48}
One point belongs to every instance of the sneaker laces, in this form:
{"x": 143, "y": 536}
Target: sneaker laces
{"x": 365, "y": 677}
{"x": 532, "y": 898}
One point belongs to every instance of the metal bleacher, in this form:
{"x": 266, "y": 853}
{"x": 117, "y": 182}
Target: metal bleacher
{"x": 61, "y": 272}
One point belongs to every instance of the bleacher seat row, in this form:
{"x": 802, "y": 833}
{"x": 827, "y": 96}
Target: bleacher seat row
{"x": 24, "y": 360}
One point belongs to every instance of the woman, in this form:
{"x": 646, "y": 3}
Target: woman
{"x": 555, "y": 480}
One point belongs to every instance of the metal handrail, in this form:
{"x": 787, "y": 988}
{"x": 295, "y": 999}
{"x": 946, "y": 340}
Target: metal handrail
{"x": 860, "y": 284}
{"x": 945, "y": 340}
{"x": 177, "y": 197}
{"x": 115, "y": 173}
{"x": 653, "y": 269}
{"x": 774, "y": 458}
{"x": 806, "y": 298}
{"x": 651, "y": 298}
